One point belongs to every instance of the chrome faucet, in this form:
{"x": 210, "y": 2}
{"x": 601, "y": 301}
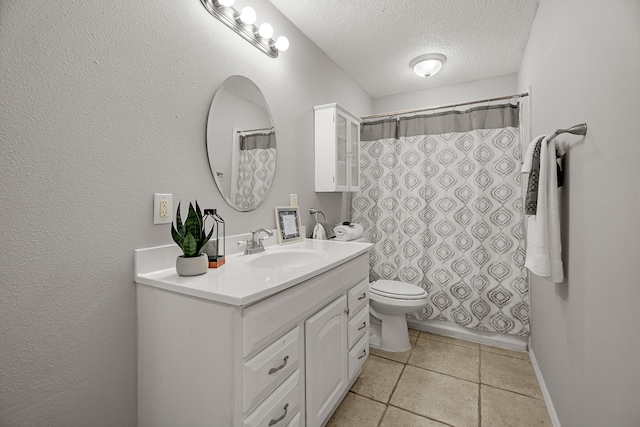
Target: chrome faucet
{"x": 254, "y": 244}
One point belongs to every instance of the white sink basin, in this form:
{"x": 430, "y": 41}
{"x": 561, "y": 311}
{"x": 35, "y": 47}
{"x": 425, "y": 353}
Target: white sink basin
{"x": 288, "y": 258}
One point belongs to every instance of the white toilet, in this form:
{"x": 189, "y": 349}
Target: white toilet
{"x": 389, "y": 301}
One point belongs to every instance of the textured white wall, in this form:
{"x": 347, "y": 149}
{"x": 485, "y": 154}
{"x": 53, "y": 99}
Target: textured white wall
{"x": 583, "y": 64}
{"x": 101, "y": 105}
{"x": 462, "y": 92}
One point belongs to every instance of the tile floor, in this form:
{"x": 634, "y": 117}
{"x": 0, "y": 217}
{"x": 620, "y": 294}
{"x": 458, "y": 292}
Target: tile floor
{"x": 442, "y": 382}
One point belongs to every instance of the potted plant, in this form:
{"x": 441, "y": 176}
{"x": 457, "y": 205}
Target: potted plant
{"x": 191, "y": 238}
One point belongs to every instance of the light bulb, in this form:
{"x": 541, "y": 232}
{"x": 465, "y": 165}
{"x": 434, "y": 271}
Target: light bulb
{"x": 265, "y": 31}
{"x": 247, "y": 15}
{"x": 227, "y": 3}
{"x": 282, "y": 43}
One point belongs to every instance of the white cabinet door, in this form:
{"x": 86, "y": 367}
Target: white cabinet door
{"x": 342, "y": 152}
{"x": 354, "y": 156}
{"x": 337, "y": 149}
{"x": 326, "y": 360}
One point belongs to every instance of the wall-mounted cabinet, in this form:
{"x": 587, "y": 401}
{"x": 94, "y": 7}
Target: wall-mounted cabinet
{"x": 337, "y": 149}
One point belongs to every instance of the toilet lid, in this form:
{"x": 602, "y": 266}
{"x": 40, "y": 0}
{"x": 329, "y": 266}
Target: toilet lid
{"x": 395, "y": 289}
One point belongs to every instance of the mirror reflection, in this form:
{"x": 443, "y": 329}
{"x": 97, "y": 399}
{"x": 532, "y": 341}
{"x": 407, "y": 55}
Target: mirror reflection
{"x": 241, "y": 143}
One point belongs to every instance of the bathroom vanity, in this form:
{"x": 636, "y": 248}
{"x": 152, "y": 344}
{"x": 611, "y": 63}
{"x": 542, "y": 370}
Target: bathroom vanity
{"x": 272, "y": 339}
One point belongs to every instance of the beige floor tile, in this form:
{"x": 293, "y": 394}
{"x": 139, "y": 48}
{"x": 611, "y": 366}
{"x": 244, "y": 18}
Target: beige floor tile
{"x": 461, "y": 362}
{"x": 437, "y": 396}
{"x": 509, "y": 373}
{"x": 448, "y": 340}
{"x": 395, "y": 417}
{"x": 378, "y": 378}
{"x": 413, "y": 332}
{"x": 512, "y": 353}
{"x": 357, "y": 411}
{"x": 504, "y": 408}
{"x": 401, "y": 356}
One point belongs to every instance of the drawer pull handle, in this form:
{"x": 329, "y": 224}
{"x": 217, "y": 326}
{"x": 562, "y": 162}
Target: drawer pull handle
{"x": 274, "y": 370}
{"x": 277, "y": 420}
{"x": 364, "y": 325}
{"x": 364, "y": 353}
{"x": 364, "y": 295}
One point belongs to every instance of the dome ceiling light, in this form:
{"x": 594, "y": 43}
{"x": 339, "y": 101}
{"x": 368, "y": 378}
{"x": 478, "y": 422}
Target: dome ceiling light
{"x": 428, "y": 65}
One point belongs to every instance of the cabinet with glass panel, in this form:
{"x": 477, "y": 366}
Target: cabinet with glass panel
{"x": 337, "y": 149}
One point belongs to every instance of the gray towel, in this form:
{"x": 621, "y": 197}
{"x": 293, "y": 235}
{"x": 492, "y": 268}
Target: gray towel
{"x": 531, "y": 201}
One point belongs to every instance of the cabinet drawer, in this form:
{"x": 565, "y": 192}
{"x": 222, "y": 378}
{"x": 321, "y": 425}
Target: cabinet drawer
{"x": 358, "y": 326}
{"x": 280, "y": 407}
{"x": 268, "y": 319}
{"x": 358, "y": 355}
{"x": 295, "y": 422}
{"x": 358, "y": 297}
{"x": 266, "y": 370}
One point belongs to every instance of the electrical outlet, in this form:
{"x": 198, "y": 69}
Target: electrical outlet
{"x": 162, "y": 208}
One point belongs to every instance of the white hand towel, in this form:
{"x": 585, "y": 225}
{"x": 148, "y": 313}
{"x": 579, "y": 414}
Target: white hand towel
{"x": 544, "y": 248}
{"x": 345, "y": 233}
{"x": 319, "y": 233}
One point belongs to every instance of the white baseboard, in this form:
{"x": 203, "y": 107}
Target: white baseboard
{"x": 510, "y": 342}
{"x": 545, "y": 392}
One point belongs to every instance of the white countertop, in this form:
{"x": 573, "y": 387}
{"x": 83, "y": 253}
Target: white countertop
{"x": 237, "y": 282}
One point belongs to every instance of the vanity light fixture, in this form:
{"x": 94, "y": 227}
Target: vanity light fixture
{"x": 428, "y": 65}
{"x": 243, "y": 24}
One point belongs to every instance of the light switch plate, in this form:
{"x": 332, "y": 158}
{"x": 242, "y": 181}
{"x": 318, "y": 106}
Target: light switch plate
{"x": 162, "y": 208}
{"x": 293, "y": 200}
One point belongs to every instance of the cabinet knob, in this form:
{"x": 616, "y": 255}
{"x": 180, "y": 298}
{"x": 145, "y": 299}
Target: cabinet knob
{"x": 346, "y": 311}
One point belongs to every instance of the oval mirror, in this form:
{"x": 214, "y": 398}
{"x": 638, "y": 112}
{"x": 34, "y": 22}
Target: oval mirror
{"x": 241, "y": 143}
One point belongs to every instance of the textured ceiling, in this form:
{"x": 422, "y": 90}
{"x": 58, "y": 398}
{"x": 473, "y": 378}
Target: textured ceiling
{"x": 374, "y": 40}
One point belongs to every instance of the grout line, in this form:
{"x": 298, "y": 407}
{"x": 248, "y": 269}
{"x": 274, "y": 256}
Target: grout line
{"x": 421, "y": 415}
{"x": 511, "y": 391}
{"x": 367, "y": 397}
{"x": 387, "y": 358}
{"x": 450, "y": 342}
{"x": 480, "y": 388}
{"x": 383, "y": 414}
{"x": 396, "y": 385}
{"x": 445, "y": 374}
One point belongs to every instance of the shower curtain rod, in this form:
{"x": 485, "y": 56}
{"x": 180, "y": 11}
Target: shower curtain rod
{"x": 254, "y": 130}
{"x": 417, "y": 110}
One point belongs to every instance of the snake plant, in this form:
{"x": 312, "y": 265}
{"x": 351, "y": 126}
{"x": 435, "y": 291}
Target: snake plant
{"x": 190, "y": 236}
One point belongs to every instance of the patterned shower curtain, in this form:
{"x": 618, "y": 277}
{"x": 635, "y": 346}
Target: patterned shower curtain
{"x": 441, "y": 201}
{"x": 256, "y": 167}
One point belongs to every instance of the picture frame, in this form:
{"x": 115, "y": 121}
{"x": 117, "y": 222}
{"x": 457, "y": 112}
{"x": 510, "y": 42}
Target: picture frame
{"x": 288, "y": 225}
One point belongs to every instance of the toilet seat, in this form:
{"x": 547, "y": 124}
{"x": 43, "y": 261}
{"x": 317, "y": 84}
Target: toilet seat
{"x": 397, "y": 290}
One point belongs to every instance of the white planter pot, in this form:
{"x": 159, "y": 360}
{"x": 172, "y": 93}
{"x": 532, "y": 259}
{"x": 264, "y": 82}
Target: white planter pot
{"x": 192, "y": 266}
